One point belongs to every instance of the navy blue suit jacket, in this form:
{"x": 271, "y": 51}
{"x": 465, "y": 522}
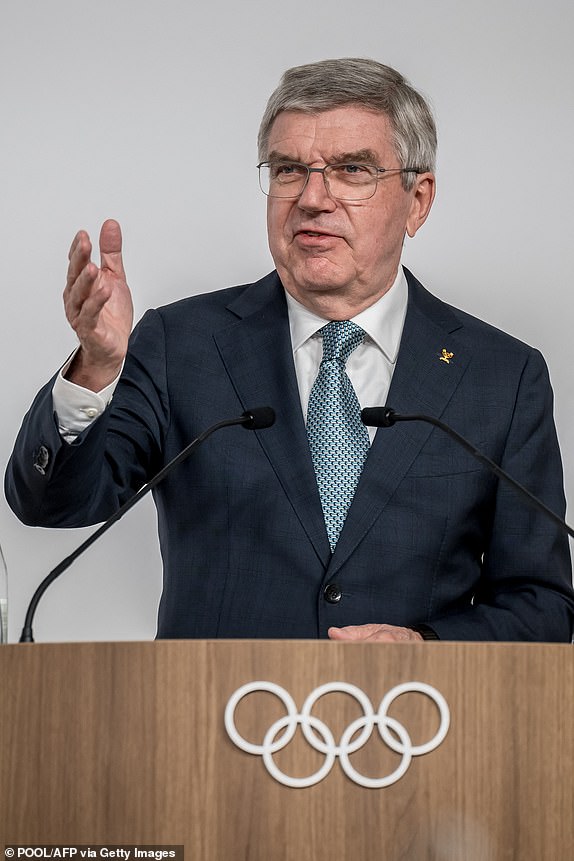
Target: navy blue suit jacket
{"x": 431, "y": 536}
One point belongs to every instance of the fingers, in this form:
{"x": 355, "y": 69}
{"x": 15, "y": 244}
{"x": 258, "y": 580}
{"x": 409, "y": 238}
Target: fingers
{"x": 88, "y": 296}
{"x": 111, "y": 247}
{"x": 110, "y": 251}
{"x": 81, "y": 276}
{"x": 354, "y": 632}
{"x": 78, "y": 256}
{"x": 82, "y": 292}
{"x": 375, "y": 633}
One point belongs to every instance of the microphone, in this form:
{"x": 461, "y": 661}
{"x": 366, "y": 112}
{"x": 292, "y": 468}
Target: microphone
{"x": 254, "y": 419}
{"x": 386, "y": 417}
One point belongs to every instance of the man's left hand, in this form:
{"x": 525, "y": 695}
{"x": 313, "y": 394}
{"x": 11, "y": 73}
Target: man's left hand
{"x": 376, "y": 633}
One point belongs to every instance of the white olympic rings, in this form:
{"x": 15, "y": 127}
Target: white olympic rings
{"x": 321, "y": 739}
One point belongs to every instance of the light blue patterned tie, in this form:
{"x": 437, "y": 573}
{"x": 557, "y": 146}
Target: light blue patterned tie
{"x": 338, "y": 439}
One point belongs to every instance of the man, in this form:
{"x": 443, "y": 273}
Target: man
{"x": 313, "y": 527}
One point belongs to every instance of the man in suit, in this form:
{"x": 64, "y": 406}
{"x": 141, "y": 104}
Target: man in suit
{"x": 313, "y": 527}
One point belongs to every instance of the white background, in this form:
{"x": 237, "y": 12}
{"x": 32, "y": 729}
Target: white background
{"x": 148, "y": 111}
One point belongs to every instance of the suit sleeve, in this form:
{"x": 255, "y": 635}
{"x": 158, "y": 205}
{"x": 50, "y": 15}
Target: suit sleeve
{"x": 525, "y": 590}
{"x": 50, "y": 482}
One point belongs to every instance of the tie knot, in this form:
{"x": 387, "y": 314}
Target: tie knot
{"x": 340, "y": 338}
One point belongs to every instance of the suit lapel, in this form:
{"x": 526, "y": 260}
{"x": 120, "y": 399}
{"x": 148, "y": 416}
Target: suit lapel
{"x": 257, "y": 353}
{"x": 422, "y": 383}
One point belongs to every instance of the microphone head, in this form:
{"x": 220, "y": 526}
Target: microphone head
{"x": 378, "y": 417}
{"x": 258, "y": 418}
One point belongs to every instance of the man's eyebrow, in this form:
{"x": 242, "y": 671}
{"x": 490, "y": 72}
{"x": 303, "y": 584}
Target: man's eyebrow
{"x": 362, "y": 156}
{"x": 275, "y": 155}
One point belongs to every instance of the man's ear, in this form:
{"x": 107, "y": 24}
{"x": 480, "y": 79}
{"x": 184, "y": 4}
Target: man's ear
{"x": 422, "y": 200}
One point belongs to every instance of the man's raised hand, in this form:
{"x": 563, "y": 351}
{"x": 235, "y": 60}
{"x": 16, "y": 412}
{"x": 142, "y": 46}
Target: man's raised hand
{"x": 99, "y": 308}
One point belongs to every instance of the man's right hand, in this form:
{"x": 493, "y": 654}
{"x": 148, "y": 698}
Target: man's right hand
{"x": 99, "y": 308}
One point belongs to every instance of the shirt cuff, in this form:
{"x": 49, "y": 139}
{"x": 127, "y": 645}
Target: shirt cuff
{"x": 77, "y": 407}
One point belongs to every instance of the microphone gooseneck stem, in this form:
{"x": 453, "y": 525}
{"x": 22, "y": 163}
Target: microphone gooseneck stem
{"x": 386, "y": 417}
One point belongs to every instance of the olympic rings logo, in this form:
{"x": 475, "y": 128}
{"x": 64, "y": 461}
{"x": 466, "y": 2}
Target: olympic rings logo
{"x": 321, "y": 739}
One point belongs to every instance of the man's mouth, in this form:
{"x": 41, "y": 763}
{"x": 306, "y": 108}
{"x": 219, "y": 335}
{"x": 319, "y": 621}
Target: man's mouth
{"x": 316, "y": 233}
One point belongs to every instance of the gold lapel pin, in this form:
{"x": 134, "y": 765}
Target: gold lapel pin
{"x": 446, "y": 356}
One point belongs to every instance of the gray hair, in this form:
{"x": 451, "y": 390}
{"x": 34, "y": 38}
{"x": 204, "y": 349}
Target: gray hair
{"x": 329, "y": 84}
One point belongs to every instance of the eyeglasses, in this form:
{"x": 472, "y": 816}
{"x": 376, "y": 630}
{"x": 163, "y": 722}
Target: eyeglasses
{"x": 346, "y": 181}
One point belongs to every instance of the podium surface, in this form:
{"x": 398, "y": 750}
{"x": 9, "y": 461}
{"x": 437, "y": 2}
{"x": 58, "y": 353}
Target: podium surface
{"x": 125, "y": 743}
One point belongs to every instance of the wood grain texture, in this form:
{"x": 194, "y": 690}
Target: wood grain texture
{"x": 125, "y": 743}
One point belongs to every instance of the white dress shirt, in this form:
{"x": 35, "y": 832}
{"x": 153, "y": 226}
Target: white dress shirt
{"x": 370, "y": 367}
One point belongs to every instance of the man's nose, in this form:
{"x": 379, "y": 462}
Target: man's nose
{"x": 315, "y": 196}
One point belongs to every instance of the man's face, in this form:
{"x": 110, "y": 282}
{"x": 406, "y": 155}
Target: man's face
{"x": 344, "y": 253}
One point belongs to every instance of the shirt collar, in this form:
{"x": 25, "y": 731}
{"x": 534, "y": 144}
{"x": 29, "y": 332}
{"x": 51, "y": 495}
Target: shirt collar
{"x": 383, "y": 321}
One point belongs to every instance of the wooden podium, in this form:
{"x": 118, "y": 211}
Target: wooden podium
{"x": 125, "y": 743}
